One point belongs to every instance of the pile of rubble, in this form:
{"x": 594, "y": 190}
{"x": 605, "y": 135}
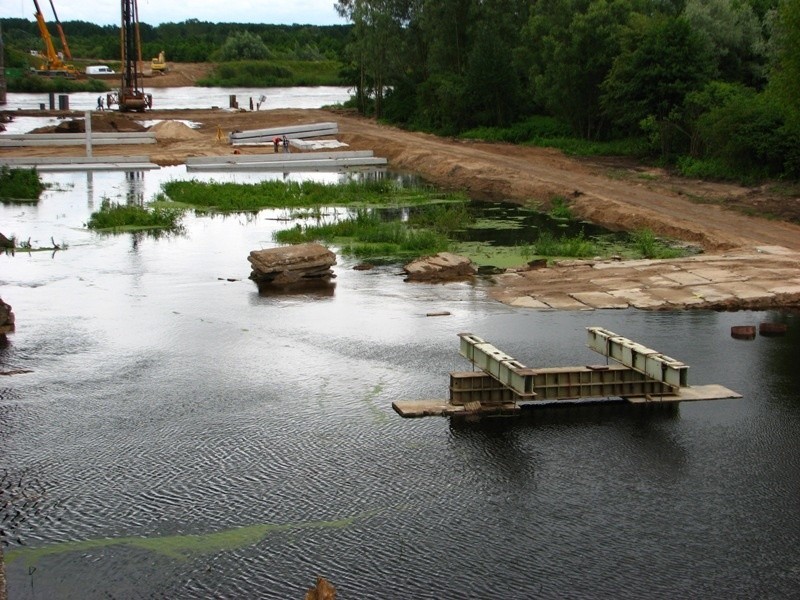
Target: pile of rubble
{"x": 6, "y": 318}
{"x": 288, "y": 265}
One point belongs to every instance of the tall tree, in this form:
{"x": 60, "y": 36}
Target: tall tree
{"x": 785, "y": 75}
{"x": 661, "y": 63}
{"x": 733, "y": 37}
{"x": 575, "y": 44}
{"x": 376, "y": 45}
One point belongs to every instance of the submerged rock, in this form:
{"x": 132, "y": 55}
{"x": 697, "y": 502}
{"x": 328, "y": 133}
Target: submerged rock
{"x": 444, "y": 266}
{"x": 289, "y": 265}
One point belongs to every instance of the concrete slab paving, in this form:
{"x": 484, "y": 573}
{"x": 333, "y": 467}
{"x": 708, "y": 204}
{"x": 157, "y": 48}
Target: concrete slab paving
{"x": 686, "y": 278}
{"x": 676, "y": 296}
{"x": 785, "y": 289}
{"x": 600, "y": 300}
{"x": 716, "y": 275}
{"x": 562, "y": 302}
{"x": 712, "y": 293}
{"x": 637, "y": 298}
{"x": 745, "y": 290}
{"x": 527, "y": 302}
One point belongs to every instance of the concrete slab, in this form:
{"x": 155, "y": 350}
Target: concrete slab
{"x": 745, "y": 290}
{"x": 600, "y": 300}
{"x": 675, "y": 296}
{"x": 712, "y": 293}
{"x": 616, "y": 283}
{"x": 716, "y": 275}
{"x": 657, "y": 281}
{"x": 785, "y": 289}
{"x": 686, "y": 278}
{"x": 562, "y": 302}
{"x": 638, "y": 298}
{"x": 527, "y": 302}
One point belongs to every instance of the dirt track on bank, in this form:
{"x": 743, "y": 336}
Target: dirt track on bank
{"x": 615, "y": 194}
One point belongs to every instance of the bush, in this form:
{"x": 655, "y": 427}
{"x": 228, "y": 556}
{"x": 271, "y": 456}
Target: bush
{"x": 20, "y": 184}
{"x": 126, "y": 217}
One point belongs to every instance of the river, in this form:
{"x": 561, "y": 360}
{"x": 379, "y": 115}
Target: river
{"x": 184, "y": 437}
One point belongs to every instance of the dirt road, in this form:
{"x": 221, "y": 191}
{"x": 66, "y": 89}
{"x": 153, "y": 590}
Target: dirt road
{"x": 617, "y": 195}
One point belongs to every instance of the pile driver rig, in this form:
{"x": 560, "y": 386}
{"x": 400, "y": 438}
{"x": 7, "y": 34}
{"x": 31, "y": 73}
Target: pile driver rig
{"x": 131, "y": 95}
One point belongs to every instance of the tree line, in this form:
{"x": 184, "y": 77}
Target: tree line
{"x": 189, "y": 41}
{"x": 711, "y": 85}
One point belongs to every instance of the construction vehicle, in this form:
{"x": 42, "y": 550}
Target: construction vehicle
{"x": 131, "y": 95}
{"x": 53, "y": 65}
{"x": 159, "y": 63}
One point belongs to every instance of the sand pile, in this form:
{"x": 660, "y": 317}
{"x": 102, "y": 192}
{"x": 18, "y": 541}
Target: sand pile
{"x": 174, "y": 131}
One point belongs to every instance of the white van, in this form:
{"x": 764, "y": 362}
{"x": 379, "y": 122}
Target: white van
{"x": 99, "y": 70}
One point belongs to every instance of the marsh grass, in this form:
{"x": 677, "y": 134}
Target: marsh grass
{"x": 578, "y": 246}
{"x": 560, "y": 209}
{"x": 233, "y": 197}
{"x": 648, "y": 245}
{"x": 20, "y": 184}
{"x": 367, "y": 236}
{"x": 123, "y": 217}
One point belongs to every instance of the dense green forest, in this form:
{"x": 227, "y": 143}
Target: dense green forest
{"x": 188, "y": 41}
{"x": 710, "y": 85}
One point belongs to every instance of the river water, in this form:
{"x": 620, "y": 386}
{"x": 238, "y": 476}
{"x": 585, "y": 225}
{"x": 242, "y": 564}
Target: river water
{"x": 195, "y": 97}
{"x": 186, "y": 437}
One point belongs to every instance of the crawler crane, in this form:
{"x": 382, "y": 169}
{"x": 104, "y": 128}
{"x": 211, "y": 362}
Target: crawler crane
{"x": 53, "y": 66}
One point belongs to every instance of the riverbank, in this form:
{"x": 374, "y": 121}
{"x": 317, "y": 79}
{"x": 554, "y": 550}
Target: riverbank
{"x": 760, "y": 256}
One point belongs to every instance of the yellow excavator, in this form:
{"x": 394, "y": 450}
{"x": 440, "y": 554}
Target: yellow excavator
{"x": 53, "y": 65}
{"x": 159, "y": 63}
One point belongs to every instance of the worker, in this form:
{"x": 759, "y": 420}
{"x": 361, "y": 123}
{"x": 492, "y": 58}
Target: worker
{"x": 277, "y": 142}
{"x": 285, "y": 144}
{"x": 100, "y": 103}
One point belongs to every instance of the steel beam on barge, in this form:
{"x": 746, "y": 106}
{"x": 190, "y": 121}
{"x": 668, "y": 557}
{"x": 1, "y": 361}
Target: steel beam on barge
{"x": 655, "y": 365}
{"x": 559, "y": 383}
{"x": 504, "y": 368}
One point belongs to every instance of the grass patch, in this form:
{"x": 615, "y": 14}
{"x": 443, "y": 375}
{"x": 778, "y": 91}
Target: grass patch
{"x": 548, "y": 132}
{"x": 20, "y": 184}
{"x": 560, "y": 210}
{"x": 233, "y": 197}
{"x": 578, "y": 246}
{"x": 368, "y": 237}
{"x": 648, "y": 245}
{"x": 124, "y": 217}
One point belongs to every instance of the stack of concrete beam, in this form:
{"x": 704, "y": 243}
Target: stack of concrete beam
{"x": 292, "y": 132}
{"x": 76, "y": 139}
{"x": 80, "y": 163}
{"x": 287, "y": 265}
{"x": 306, "y": 161}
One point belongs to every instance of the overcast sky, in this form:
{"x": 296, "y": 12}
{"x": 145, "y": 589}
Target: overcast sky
{"x": 153, "y": 12}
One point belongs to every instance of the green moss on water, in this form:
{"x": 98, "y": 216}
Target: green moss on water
{"x": 179, "y": 547}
